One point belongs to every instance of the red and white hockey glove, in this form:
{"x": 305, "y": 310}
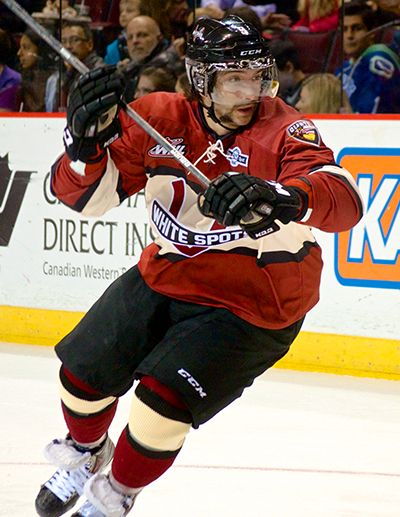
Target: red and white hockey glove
{"x": 239, "y": 199}
{"x": 92, "y": 114}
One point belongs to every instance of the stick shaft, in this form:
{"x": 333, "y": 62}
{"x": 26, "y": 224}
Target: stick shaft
{"x": 82, "y": 68}
{"x": 169, "y": 147}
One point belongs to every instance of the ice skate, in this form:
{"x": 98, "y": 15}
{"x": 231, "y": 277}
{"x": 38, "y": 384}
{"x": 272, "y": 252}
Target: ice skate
{"x": 104, "y": 500}
{"x": 75, "y": 466}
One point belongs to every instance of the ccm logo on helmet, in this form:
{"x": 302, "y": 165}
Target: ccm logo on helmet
{"x": 250, "y": 52}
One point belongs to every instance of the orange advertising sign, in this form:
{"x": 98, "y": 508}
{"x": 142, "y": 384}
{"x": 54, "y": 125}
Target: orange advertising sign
{"x": 369, "y": 254}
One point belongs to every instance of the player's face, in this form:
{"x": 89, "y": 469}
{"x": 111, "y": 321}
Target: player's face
{"x": 354, "y": 39}
{"x": 27, "y": 53}
{"x": 235, "y": 95}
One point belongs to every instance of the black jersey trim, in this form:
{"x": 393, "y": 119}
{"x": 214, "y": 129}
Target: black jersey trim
{"x": 282, "y": 257}
{"x": 269, "y": 257}
{"x": 175, "y": 257}
{"x": 122, "y": 193}
{"x": 318, "y": 167}
{"x": 349, "y": 186}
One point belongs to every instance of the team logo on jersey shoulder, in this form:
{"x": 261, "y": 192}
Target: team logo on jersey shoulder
{"x": 236, "y": 157}
{"x": 381, "y": 66}
{"x": 304, "y": 131}
{"x": 158, "y": 150}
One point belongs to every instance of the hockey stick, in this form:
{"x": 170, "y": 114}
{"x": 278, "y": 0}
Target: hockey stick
{"x": 82, "y": 68}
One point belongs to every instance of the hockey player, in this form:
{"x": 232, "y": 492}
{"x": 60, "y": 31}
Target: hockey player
{"x": 221, "y": 293}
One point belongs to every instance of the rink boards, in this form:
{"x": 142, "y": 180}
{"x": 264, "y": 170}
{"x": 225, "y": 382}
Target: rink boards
{"x": 54, "y": 264}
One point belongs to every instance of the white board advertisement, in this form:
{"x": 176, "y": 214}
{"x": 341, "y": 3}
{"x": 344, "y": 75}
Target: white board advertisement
{"x": 52, "y": 258}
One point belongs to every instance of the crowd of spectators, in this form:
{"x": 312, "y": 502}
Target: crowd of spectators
{"x": 149, "y": 41}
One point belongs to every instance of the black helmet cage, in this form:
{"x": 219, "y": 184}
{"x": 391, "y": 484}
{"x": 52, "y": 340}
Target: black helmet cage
{"x": 218, "y": 45}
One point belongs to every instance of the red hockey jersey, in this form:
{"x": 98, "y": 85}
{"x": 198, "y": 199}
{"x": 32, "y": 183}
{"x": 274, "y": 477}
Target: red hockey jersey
{"x": 270, "y": 282}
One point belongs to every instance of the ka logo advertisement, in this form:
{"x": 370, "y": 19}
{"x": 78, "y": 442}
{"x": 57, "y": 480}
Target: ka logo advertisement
{"x": 368, "y": 255}
{"x": 13, "y": 186}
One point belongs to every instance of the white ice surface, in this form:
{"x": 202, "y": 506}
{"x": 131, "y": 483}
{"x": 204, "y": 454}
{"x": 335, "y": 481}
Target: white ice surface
{"x": 295, "y": 445}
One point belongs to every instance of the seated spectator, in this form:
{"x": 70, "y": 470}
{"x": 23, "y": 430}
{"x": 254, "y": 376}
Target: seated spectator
{"x": 37, "y": 64}
{"x": 371, "y": 76}
{"x": 322, "y": 93}
{"x": 155, "y": 80}
{"x": 147, "y": 47}
{"x": 78, "y": 39}
{"x": 9, "y": 79}
{"x": 291, "y": 75}
{"x": 317, "y": 15}
{"x": 117, "y": 50}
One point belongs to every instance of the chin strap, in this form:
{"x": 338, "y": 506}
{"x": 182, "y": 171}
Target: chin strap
{"x": 213, "y": 116}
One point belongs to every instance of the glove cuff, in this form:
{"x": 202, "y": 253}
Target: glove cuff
{"x": 304, "y": 204}
{"x": 91, "y": 150}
